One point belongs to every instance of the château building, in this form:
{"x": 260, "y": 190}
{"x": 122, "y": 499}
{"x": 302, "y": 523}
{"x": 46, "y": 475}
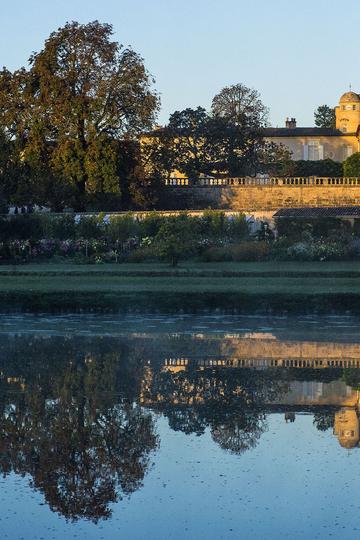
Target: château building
{"x": 315, "y": 143}
{"x": 262, "y": 195}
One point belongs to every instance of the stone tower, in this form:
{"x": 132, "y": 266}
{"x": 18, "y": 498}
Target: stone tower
{"x": 348, "y": 113}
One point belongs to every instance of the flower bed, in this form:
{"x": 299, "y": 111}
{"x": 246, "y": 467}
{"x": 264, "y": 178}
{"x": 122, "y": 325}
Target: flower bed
{"x": 213, "y": 237}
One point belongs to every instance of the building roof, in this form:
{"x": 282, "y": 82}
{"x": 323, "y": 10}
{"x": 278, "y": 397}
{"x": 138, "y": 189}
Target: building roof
{"x": 278, "y": 132}
{"x": 350, "y": 97}
{"x": 302, "y": 132}
{"x": 318, "y": 212}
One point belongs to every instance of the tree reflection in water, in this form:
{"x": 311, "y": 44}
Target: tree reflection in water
{"x": 240, "y": 434}
{"x": 83, "y": 445}
{"x": 324, "y": 420}
{"x": 230, "y": 402}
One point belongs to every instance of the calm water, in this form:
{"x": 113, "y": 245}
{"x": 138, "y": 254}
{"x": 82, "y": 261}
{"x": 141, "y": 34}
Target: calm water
{"x": 179, "y": 428}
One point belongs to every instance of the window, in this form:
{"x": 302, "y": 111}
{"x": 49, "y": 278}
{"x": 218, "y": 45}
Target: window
{"x": 315, "y": 151}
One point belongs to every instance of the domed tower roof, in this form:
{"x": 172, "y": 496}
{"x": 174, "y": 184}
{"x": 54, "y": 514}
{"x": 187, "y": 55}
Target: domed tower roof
{"x": 350, "y": 97}
{"x": 348, "y": 443}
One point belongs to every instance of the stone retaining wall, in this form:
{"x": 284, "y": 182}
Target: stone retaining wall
{"x": 264, "y": 197}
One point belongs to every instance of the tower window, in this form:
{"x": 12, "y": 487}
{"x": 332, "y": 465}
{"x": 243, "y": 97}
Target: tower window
{"x": 343, "y": 124}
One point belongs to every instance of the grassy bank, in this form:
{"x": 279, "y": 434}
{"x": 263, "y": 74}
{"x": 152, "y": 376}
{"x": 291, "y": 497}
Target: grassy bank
{"x": 231, "y": 287}
{"x": 198, "y": 269}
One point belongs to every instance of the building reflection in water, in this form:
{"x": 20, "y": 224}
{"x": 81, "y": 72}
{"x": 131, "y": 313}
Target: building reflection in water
{"x": 347, "y": 427}
{"x": 77, "y": 414}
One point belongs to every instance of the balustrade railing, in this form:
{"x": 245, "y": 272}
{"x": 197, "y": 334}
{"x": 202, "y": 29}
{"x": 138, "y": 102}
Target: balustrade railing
{"x": 264, "y": 362}
{"x": 270, "y": 181}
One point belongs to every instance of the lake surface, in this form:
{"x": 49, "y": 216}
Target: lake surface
{"x": 179, "y": 427}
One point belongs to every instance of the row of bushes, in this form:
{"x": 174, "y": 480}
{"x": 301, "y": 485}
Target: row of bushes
{"x": 300, "y": 229}
{"x": 173, "y": 249}
{"x": 213, "y": 223}
{"x": 280, "y": 251}
{"x": 118, "y": 227}
{"x": 104, "y": 238}
{"x": 210, "y": 237}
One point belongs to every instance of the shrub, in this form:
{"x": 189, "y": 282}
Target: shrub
{"x": 321, "y": 167}
{"x": 301, "y": 251}
{"x": 250, "y": 251}
{"x": 213, "y": 223}
{"x": 242, "y": 252}
{"x": 318, "y": 251}
{"x": 142, "y": 254}
{"x": 150, "y": 225}
{"x": 217, "y": 254}
{"x": 177, "y": 239}
{"x": 120, "y": 228}
{"x": 88, "y": 227}
{"x": 352, "y": 165}
{"x": 237, "y": 227}
{"x": 293, "y": 229}
{"x": 5, "y": 230}
{"x": 354, "y": 248}
{"x": 21, "y": 227}
{"x": 79, "y": 258}
{"x": 60, "y": 227}
{"x": 303, "y": 229}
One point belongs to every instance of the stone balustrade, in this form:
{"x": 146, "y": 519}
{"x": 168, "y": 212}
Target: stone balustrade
{"x": 315, "y": 363}
{"x": 269, "y": 181}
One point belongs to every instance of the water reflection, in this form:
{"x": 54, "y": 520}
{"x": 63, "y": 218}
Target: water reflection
{"x": 78, "y": 414}
{"x": 63, "y": 423}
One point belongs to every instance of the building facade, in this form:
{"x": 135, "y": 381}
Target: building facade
{"x": 314, "y": 143}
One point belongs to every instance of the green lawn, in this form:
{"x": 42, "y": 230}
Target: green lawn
{"x": 297, "y": 287}
{"x": 178, "y": 284}
{"x": 198, "y": 269}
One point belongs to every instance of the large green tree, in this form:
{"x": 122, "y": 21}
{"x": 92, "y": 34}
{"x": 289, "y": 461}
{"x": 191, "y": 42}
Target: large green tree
{"x": 82, "y": 93}
{"x": 228, "y": 141}
{"x": 189, "y": 135}
{"x": 182, "y": 145}
{"x": 325, "y": 117}
{"x": 198, "y": 143}
{"x": 241, "y": 105}
{"x": 274, "y": 159}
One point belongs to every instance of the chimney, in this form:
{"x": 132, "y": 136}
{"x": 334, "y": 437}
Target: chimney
{"x": 290, "y": 123}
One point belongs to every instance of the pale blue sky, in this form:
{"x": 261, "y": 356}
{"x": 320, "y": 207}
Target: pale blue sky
{"x": 297, "y": 54}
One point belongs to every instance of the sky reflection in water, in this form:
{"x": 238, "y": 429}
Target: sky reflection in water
{"x": 152, "y": 427}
